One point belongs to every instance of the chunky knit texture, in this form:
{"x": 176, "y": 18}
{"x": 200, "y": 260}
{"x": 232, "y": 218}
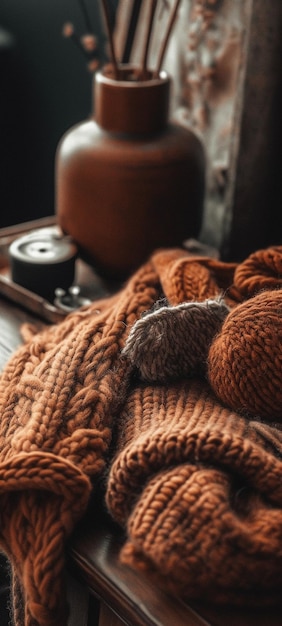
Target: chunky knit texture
{"x": 199, "y": 490}
{"x": 196, "y": 486}
{"x": 58, "y": 396}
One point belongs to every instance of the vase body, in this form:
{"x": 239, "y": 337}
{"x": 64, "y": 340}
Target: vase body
{"x": 127, "y": 180}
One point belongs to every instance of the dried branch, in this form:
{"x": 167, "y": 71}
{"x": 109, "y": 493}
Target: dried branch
{"x": 166, "y": 39}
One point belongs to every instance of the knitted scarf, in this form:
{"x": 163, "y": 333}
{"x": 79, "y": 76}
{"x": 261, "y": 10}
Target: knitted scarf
{"x": 195, "y": 478}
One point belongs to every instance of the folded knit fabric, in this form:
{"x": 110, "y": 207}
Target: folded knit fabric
{"x": 59, "y": 395}
{"x": 62, "y": 392}
{"x": 196, "y": 485}
{"x": 198, "y": 489}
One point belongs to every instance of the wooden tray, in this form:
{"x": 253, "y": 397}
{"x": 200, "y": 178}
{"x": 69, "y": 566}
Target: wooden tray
{"x": 91, "y": 285}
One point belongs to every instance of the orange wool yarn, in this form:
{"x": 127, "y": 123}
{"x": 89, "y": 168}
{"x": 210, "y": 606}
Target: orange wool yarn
{"x": 196, "y": 486}
{"x": 245, "y": 360}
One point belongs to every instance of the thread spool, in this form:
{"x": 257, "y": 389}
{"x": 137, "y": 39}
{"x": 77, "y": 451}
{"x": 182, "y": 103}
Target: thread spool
{"x": 42, "y": 261}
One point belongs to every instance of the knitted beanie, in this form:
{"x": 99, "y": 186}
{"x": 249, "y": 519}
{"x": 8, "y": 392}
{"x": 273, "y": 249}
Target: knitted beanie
{"x": 62, "y": 393}
{"x": 196, "y": 485}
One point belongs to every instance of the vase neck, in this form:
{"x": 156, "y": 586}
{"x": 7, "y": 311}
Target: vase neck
{"x": 131, "y": 106}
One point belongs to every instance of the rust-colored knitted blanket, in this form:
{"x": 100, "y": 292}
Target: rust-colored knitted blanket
{"x": 184, "y": 365}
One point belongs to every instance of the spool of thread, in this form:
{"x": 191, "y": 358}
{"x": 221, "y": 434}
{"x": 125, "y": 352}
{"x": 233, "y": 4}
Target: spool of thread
{"x": 42, "y": 261}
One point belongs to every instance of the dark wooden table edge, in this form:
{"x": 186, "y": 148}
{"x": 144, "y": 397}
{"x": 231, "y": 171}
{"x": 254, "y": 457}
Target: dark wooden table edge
{"x": 93, "y": 557}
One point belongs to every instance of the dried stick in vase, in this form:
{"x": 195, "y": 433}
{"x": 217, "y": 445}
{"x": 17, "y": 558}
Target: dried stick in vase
{"x": 144, "y": 70}
{"x": 109, "y": 29}
{"x": 166, "y": 39}
{"x": 86, "y": 16}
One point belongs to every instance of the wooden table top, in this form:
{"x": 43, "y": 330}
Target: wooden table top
{"x": 94, "y": 558}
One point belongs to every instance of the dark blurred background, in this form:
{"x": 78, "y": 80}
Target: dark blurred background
{"x": 45, "y": 88}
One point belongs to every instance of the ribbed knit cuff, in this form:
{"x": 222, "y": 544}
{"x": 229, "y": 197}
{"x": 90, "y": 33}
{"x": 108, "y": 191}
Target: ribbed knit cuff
{"x": 198, "y": 489}
{"x": 201, "y": 536}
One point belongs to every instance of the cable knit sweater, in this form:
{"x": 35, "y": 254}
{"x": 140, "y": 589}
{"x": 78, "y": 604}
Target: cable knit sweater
{"x": 174, "y": 365}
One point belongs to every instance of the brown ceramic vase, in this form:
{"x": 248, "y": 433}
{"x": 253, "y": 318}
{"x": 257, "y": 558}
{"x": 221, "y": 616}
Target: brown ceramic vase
{"x": 128, "y": 181}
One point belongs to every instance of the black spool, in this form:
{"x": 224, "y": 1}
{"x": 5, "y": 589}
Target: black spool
{"x": 42, "y": 261}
